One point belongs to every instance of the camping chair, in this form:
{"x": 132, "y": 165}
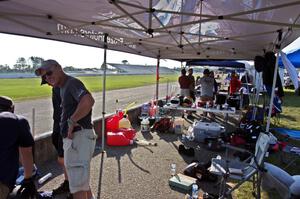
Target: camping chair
{"x": 242, "y": 171}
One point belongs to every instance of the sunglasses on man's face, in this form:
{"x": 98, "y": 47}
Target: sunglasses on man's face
{"x": 49, "y": 73}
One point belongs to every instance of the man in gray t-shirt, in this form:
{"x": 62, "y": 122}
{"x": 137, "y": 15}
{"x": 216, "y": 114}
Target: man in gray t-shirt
{"x": 207, "y": 86}
{"x": 71, "y": 93}
{"x": 76, "y": 128}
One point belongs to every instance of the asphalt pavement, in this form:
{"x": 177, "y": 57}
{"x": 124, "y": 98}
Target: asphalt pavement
{"x": 41, "y": 109}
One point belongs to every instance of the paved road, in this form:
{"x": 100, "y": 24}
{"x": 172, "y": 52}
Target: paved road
{"x": 43, "y": 107}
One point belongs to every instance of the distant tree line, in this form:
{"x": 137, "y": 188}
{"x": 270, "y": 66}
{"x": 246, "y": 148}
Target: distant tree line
{"x": 23, "y": 65}
{"x": 31, "y": 64}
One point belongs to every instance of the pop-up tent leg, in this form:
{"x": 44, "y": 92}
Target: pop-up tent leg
{"x": 103, "y": 94}
{"x": 273, "y": 91}
{"x": 157, "y": 79}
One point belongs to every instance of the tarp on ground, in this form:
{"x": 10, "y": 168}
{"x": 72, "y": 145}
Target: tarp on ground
{"x": 171, "y": 29}
{"x": 219, "y": 63}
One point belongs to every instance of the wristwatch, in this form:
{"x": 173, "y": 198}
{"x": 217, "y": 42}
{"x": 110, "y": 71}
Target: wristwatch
{"x": 71, "y": 122}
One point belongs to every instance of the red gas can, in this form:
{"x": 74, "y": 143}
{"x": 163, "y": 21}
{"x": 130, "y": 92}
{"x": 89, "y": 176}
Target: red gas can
{"x": 112, "y": 123}
{"x": 117, "y": 139}
{"x": 128, "y": 132}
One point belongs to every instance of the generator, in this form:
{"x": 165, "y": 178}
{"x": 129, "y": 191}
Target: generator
{"x": 207, "y": 130}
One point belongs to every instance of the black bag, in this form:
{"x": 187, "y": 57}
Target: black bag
{"x": 220, "y": 99}
{"x": 200, "y": 172}
{"x": 186, "y": 151}
{"x": 164, "y": 125}
{"x": 233, "y": 102}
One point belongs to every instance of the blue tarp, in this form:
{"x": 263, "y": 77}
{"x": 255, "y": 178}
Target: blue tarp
{"x": 290, "y": 132}
{"x": 294, "y": 58}
{"x": 220, "y": 63}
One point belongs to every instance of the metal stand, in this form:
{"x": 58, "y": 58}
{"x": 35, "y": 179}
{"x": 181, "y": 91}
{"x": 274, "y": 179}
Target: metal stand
{"x": 103, "y": 94}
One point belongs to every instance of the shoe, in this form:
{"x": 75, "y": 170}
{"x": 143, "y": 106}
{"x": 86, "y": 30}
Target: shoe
{"x": 63, "y": 188}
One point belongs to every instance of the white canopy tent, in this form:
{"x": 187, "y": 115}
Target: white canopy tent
{"x": 167, "y": 29}
{"x": 179, "y": 29}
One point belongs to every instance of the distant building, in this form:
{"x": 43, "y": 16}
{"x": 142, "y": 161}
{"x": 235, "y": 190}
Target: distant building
{"x": 138, "y": 69}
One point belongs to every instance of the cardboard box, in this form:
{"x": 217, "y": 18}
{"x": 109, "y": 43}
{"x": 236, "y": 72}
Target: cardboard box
{"x": 182, "y": 181}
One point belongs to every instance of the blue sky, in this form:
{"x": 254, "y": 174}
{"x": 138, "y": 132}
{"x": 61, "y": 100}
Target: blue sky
{"x": 13, "y": 47}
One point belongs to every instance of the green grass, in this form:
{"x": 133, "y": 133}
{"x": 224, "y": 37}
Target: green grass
{"x": 29, "y": 88}
{"x": 289, "y": 119}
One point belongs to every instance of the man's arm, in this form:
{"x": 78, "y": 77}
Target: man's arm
{"x": 27, "y": 161}
{"x": 83, "y": 108}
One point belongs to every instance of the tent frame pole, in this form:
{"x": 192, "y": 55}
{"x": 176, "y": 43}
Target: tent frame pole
{"x": 273, "y": 89}
{"x": 157, "y": 78}
{"x": 103, "y": 94}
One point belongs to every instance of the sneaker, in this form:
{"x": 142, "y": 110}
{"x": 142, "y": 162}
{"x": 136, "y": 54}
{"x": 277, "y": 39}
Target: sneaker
{"x": 63, "y": 188}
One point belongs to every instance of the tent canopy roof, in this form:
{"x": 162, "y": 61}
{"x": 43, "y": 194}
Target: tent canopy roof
{"x": 170, "y": 29}
{"x": 293, "y": 57}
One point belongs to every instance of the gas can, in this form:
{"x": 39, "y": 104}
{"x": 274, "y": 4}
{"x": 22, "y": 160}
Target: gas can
{"x": 118, "y": 139}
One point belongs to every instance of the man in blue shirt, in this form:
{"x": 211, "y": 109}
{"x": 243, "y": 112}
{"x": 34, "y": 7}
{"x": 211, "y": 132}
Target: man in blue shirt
{"x": 15, "y": 138}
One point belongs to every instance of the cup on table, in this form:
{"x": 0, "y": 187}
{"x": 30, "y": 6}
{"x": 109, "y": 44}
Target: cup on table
{"x": 207, "y": 104}
{"x": 173, "y": 169}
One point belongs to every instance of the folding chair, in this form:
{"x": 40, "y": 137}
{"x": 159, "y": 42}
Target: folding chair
{"x": 242, "y": 171}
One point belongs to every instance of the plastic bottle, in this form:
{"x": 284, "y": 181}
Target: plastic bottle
{"x": 118, "y": 139}
{"x": 178, "y": 125}
{"x": 145, "y": 109}
{"x": 45, "y": 178}
{"x": 152, "y": 111}
{"x": 145, "y": 125}
{"x": 124, "y": 122}
{"x": 194, "y": 191}
{"x": 173, "y": 169}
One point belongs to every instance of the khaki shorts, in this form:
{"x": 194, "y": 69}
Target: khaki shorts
{"x": 78, "y": 153}
{"x": 4, "y": 191}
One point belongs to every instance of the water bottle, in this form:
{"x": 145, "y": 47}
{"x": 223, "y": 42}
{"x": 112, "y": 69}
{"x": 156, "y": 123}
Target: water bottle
{"x": 173, "y": 169}
{"x": 194, "y": 191}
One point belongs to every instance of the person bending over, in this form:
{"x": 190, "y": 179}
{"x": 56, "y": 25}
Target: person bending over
{"x": 15, "y": 140}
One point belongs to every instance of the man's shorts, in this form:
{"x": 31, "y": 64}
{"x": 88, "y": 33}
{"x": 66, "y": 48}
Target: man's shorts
{"x": 78, "y": 154}
{"x": 57, "y": 141}
{"x": 4, "y": 191}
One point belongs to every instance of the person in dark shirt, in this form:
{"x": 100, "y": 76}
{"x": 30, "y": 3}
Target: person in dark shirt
{"x": 57, "y": 139}
{"x": 79, "y": 138}
{"x": 212, "y": 75}
{"x": 184, "y": 84}
{"x": 15, "y": 140}
{"x": 246, "y": 78}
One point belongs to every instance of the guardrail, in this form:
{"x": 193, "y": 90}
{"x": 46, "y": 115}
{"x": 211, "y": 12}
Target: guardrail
{"x": 45, "y": 151}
